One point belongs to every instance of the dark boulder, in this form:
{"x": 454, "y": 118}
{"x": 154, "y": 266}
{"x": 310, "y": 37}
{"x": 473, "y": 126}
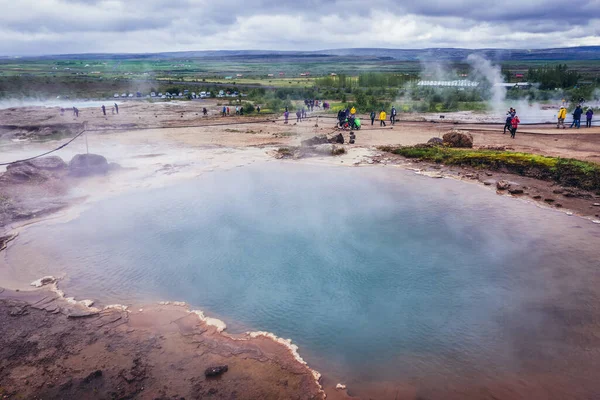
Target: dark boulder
{"x": 436, "y": 141}
{"x": 458, "y": 138}
{"x": 338, "y": 139}
{"x": 215, "y": 371}
{"x": 315, "y": 140}
{"x": 88, "y": 164}
{"x": 24, "y": 173}
{"x": 50, "y": 163}
{"x": 38, "y": 170}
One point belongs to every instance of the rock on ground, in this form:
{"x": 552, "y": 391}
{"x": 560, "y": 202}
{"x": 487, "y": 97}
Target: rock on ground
{"x": 458, "y": 138}
{"x": 88, "y": 164}
{"x": 502, "y": 185}
{"x": 436, "y": 141}
{"x": 315, "y": 140}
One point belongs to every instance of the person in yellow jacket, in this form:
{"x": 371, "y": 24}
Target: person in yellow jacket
{"x": 353, "y": 111}
{"x": 562, "y": 114}
{"x": 382, "y": 117}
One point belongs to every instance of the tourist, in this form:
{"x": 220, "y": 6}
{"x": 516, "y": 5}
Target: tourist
{"x": 577, "y": 117}
{"x": 588, "y": 117}
{"x": 224, "y": 111}
{"x": 227, "y": 110}
{"x": 298, "y": 115}
{"x": 286, "y": 115}
{"x": 103, "y": 109}
{"x": 237, "y": 110}
{"x": 204, "y": 111}
{"x": 117, "y": 108}
{"x": 393, "y": 115}
{"x": 372, "y": 117}
{"x": 242, "y": 110}
{"x": 562, "y": 114}
{"x": 509, "y": 116}
{"x": 382, "y": 117}
{"x": 341, "y": 118}
{"x": 514, "y": 122}
{"x": 258, "y": 109}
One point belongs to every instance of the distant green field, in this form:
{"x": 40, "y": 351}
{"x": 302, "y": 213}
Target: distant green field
{"x": 367, "y": 81}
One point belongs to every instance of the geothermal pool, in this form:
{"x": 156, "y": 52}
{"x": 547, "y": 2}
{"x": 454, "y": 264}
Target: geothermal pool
{"x": 387, "y": 280}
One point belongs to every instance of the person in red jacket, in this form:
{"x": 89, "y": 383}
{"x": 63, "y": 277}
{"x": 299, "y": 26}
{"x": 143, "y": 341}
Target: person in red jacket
{"x": 514, "y": 125}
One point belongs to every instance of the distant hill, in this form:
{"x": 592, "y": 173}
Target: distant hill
{"x": 446, "y": 54}
{"x": 457, "y": 54}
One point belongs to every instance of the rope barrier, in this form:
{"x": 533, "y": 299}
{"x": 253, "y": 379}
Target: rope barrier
{"x": 48, "y": 152}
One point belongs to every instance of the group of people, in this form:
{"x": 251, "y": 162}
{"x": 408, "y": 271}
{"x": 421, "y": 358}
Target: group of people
{"x": 310, "y": 104}
{"x": 577, "y": 113}
{"x": 114, "y": 109}
{"x": 512, "y": 122}
{"x": 347, "y": 118}
{"x": 383, "y": 117}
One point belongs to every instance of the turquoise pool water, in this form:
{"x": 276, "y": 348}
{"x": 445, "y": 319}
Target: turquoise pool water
{"x": 378, "y": 274}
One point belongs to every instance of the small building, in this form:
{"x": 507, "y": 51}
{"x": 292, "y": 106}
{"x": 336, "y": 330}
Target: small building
{"x": 270, "y": 75}
{"x": 239, "y": 75}
{"x": 333, "y": 74}
{"x": 229, "y": 77}
{"x": 282, "y": 74}
{"x": 456, "y": 83}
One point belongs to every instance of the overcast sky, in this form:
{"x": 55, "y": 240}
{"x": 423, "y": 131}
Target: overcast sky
{"x": 87, "y": 26}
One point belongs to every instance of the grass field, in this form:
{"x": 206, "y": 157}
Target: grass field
{"x": 570, "y": 172}
{"x": 100, "y": 78}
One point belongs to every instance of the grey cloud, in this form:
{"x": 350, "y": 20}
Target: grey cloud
{"x": 34, "y": 27}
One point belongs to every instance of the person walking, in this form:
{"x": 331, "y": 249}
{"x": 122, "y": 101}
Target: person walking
{"x": 298, "y": 115}
{"x": 509, "y": 115}
{"x": 103, "y": 109}
{"x": 258, "y": 109}
{"x": 204, "y": 111}
{"x": 588, "y": 117}
{"x": 224, "y": 111}
{"x": 372, "y": 117}
{"x": 393, "y": 117}
{"x": 286, "y": 115}
{"x": 382, "y": 116}
{"x": 117, "y": 108}
{"x": 577, "y": 117}
{"x": 514, "y": 125}
{"x": 562, "y": 115}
